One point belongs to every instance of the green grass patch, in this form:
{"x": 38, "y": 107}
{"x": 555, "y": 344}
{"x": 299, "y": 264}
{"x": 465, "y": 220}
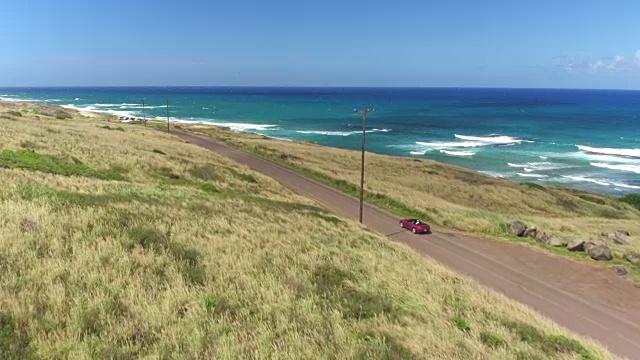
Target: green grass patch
{"x": 492, "y": 340}
{"x": 209, "y": 187}
{"x": 14, "y": 113}
{"x": 549, "y": 344}
{"x": 533, "y": 186}
{"x": 632, "y": 199}
{"x": 461, "y": 323}
{"x": 30, "y": 160}
{"x": 338, "y": 288}
{"x": 383, "y": 346}
{"x": 592, "y": 199}
{"x": 15, "y": 343}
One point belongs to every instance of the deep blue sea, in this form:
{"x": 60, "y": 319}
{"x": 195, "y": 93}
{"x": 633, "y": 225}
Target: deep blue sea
{"x": 587, "y": 139}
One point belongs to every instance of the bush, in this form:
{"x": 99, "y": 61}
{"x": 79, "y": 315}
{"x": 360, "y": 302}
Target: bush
{"x": 61, "y": 115}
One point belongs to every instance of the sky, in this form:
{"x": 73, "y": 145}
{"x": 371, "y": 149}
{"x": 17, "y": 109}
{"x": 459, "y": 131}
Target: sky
{"x": 525, "y": 44}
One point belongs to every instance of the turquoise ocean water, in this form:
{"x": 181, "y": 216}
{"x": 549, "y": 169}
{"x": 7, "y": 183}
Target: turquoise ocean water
{"x": 586, "y": 139}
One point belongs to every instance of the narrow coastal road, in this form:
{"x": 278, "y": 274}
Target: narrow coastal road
{"x": 588, "y": 300}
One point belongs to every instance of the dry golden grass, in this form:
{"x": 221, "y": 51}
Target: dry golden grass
{"x": 449, "y": 196}
{"x": 192, "y": 256}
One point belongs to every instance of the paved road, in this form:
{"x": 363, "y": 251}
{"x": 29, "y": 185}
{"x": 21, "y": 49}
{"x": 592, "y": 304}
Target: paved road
{"x": 589, "y": 300}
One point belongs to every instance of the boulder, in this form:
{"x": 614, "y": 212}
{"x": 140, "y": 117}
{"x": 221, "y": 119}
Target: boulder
{"x": 542, "y": 237}
{"x": 620, "y": 270}
{"x": 559, "y": 242}
{"x": 618, "y": 240}
{"x": 530, "y": 232}
{"x": 517, "y": 228}
{"x": 576, "y": 245}
{"x": 588, "y": 246}
{"x": 623, "y": 233}
{"x": 600, "y": 253}
{"x": 634, "y": 259}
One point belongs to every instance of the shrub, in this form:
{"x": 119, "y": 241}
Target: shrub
{"x": 61, "y": 115}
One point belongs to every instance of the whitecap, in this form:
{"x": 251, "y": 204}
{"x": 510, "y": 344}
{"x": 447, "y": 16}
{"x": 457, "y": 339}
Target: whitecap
{"x": 532, "y": 175}
{"x": 492, "y": 140}
{"x": 611, "y": 151}
{"x": 626, "y": 186}
{"x": 446, "y": 145}
{"x": 339, "y": 133}
{"x": 458, "y": 153}
{"x": 418, "y": 152}
{"x": 584, "y": 179}
{"x": 493, "y": 174}
{"x": 620, "y": 167}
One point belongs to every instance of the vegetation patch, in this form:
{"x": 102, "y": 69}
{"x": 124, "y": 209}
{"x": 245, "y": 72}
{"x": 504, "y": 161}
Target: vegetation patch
{"x": 383, "y": 346}
{"x": 207, "y": 172}
{"x": 14, "y": 113}
{"x": 533, "y": 186}
{"x": 62, "y": 115}
{"x": 632, "y": 199}
{"x": 107, "y": 127}
{"x": 337, "y": 288}
{"x": 31, "y": 160}
{"x": 549, "y": 344}
{"x": 592, "y": 199}
{"x": 492, "y": 340}
{"x": 156, "y": 151}
{"x": 209, "y": 188}
{"x": 15, "y": 343}
{"x": 461, "y": 323}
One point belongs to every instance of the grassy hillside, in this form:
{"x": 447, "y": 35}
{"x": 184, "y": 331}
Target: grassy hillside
{"x": 124, "y": 242}
{"x": 453, "y": 197}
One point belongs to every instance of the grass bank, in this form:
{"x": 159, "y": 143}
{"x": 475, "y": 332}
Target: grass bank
{"x": 184, "y": 254}
{"x": 453, "y": 197}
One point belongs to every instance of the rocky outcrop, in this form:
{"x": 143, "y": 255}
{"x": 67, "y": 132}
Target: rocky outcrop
{"x": 530, "y": 232}
{"x": 517, "y": 228}
{"x": 559, "y": 242}
{"x": 634, "y": 259}
{"x": 542, "y": 237}
{"x": 620, "y": 270}
{"x": 617, "y": 236}
{"x": 576, "y": 245}
{"x": 600, "y": 253}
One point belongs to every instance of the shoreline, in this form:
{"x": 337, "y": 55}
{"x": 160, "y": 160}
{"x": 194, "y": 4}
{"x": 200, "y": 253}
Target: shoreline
{"x": 617, "y": 187}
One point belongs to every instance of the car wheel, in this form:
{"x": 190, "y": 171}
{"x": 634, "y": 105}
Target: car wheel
{"x": 413, "y": 230}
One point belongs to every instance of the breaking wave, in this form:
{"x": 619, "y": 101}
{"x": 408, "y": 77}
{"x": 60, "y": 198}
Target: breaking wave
{"x": 492, "y": 140}
{"x": 635, "y": 153}
{"x": 457, "y": 153}
{"x": 620, "y": 167}
{"x": 339, "y": 133}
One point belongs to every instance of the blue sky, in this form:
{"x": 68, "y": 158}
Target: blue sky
{"x": 565, "y": 44}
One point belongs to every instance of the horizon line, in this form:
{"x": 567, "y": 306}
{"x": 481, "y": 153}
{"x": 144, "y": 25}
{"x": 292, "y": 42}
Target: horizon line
{"x": 312, "y": 87}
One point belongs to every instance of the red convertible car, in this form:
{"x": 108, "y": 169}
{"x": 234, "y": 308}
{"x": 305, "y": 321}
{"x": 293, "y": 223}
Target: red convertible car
{"x": 416, "y": 226}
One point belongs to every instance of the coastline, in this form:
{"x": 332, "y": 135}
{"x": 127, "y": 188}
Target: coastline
{"x": 499, "y": 151}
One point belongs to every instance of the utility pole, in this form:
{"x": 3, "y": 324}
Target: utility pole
{"x": 168, "y": 115}
{"x": 144, "y": 116}
{"x": 364, "y": 132}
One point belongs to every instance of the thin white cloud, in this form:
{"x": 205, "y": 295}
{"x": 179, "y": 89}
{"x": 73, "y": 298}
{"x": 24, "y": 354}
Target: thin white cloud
{"x": 606, "y": 65}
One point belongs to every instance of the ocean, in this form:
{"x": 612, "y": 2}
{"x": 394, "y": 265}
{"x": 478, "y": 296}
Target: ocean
{"x": 585, "y": 139}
